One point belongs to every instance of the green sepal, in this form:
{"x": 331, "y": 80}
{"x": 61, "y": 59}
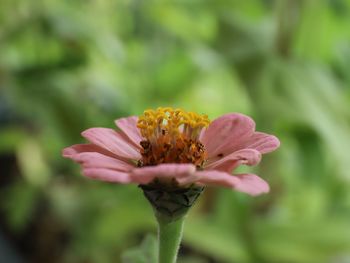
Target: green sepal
{"x": 170, "y": 202}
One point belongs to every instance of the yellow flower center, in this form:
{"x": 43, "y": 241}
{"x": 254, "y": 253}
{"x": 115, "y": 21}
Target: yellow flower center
{"x": 172, "y": 136}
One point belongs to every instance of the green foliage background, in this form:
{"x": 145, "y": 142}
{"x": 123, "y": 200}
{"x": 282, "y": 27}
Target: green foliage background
{"x": 69, "y": 65}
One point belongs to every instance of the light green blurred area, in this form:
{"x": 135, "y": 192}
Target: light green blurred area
{"x": 69, "y": 65}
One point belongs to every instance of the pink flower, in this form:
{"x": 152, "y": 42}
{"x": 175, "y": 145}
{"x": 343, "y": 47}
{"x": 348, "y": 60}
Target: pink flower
{"x": 173, "y": 146}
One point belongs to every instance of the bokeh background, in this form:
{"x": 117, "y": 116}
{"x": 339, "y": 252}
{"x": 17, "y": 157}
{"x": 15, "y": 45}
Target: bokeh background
{"x": 69, "y": 65}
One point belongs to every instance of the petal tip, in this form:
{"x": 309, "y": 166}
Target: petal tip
{"x": 276, "y": 141}
{"x": 252, "y": 185}
{"x": 67, "y": 152}
{"x": 86, "y": 132}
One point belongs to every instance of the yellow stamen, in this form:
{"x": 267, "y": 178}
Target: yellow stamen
{"x": 171, "y": 136}
{"x": 169, "y": 121}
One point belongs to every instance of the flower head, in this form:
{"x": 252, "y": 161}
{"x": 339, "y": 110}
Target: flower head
{"x": 172, "y": 148}
{"x": 172, "y": 154}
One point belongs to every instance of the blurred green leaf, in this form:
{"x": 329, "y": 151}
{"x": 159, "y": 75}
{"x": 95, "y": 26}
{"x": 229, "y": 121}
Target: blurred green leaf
{"x": 34, "y": 169}
{"x": 20, "y": 205}
{"x": 145, "y": 253}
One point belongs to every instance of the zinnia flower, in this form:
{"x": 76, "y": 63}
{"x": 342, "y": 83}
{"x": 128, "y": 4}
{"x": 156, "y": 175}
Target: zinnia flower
{"x": 171, "y": 147}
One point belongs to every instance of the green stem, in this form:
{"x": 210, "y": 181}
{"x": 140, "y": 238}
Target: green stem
{"x": 169, "y": 237}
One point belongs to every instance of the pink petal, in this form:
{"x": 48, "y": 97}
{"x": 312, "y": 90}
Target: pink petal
{"x": 225, "y": 132}
{"x": 163, "y": 172}
{"x": 98, "y": 160}
{"x": 107, "y": 175}
{"x": 246, "y": 183}
{"x": 262, "y": 142}
{"x": 230, "y": 162}
{"x": 112, "y": 141}
{"x": 129, "y": 128}
{"x": 252, "y": 184}
{"x": 80, "y": 148}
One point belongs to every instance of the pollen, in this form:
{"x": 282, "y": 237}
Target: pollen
{"x": 172, "y": 136}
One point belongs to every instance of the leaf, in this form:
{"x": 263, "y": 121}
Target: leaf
{"x": 20, "y": 204}
{"x": 213, "y": 240}
{"x": 145, "y": 253}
